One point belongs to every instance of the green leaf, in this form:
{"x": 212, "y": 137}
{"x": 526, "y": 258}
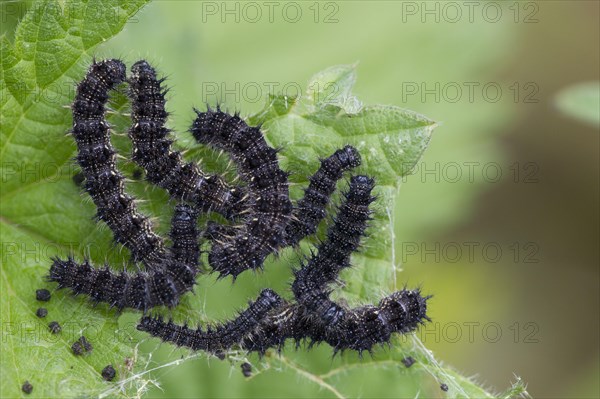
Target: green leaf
{"x": 42, "y": 214}
{"x": 390, "y": 139}
{"x": 334, "y": 86}
{"x": 581, "y": 101}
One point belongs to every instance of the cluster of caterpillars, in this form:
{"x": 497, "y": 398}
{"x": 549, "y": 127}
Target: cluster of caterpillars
{"x": 264, "y": 220}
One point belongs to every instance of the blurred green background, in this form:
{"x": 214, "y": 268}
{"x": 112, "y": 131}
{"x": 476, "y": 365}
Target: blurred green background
{"x": 500, "y": 221}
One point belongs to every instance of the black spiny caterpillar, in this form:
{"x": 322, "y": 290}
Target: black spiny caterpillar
{"x": 164, "y": 167}
{"x": 246, "y": 247}
{"x": 170, "y": 272}
{"x": 314, "y": 316}
{"x": 310, "y": 286}
{"x": 219, "y": 337}
{"x": 141, "y": 290}
{"x": 265, "y": 222}
{"x": 97, "y": 160}
{"x": 310, "y": 210}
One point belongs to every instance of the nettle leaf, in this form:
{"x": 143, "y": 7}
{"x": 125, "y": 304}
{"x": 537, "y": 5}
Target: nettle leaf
{"x": 390, "y": 139}
{"x": 42, "y": 212}
{"x": 333, "y": 86}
